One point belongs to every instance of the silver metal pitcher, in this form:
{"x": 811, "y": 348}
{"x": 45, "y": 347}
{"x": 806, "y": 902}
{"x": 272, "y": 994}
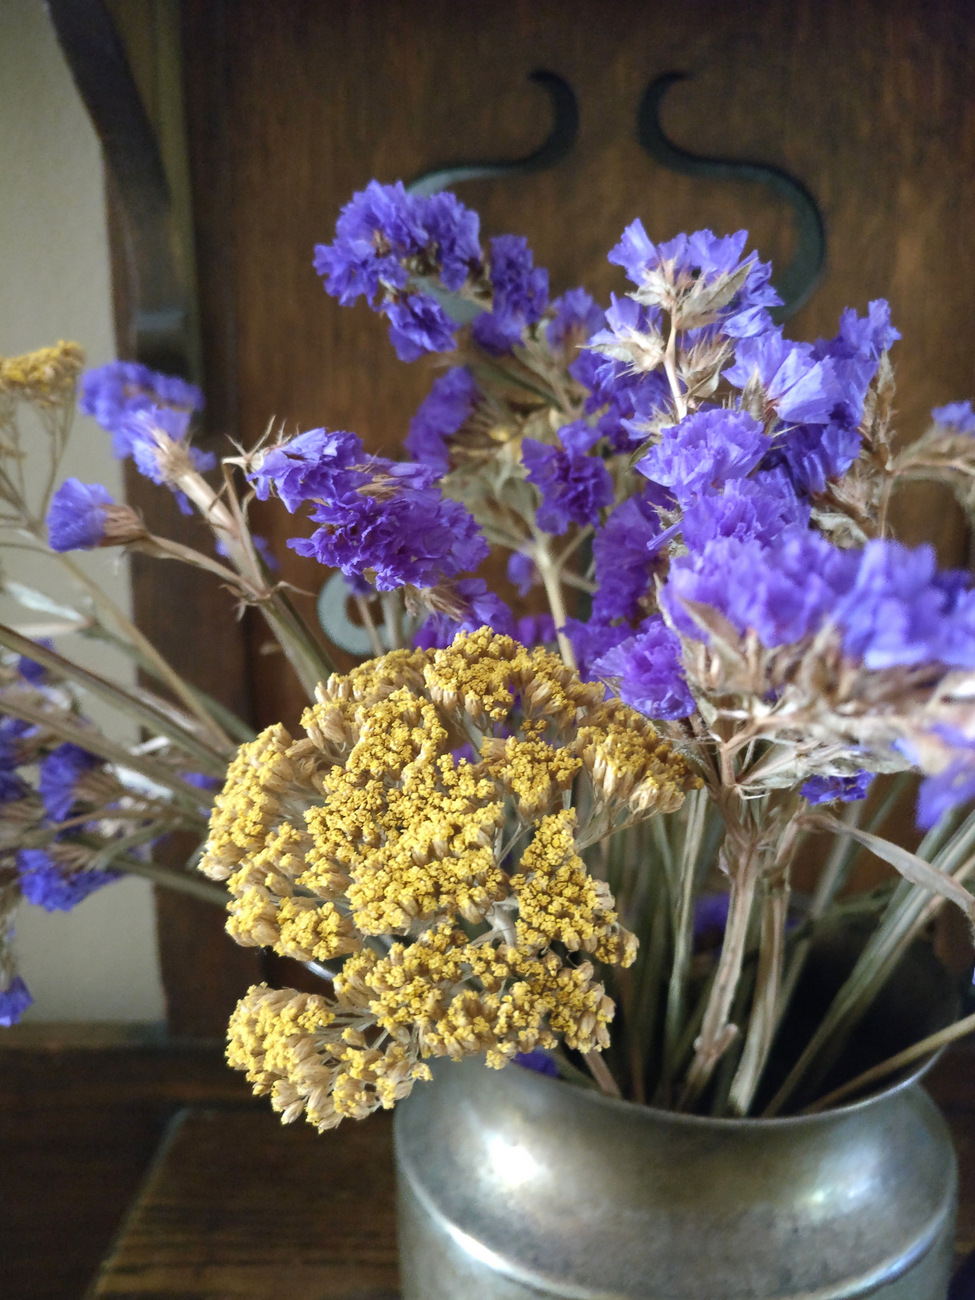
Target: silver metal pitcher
{"x": 514, "y": 1185}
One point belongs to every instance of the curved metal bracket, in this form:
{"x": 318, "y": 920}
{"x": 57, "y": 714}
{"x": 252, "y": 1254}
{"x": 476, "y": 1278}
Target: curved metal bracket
{"x": 803, "y": 273}
{"x": 557, "y": 145}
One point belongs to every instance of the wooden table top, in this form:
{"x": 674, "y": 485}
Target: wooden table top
{"x": 237, "y": 1205}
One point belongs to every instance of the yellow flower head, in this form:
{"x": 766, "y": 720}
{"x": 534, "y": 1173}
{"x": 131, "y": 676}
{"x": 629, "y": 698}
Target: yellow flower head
{"x": 425, "y": 828}
{"x": 46, "y": 377}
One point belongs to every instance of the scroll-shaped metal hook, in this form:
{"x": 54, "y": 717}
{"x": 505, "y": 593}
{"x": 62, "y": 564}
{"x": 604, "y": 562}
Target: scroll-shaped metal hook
{"x": 800, "y": 277}
{"x": 557, "y": 145}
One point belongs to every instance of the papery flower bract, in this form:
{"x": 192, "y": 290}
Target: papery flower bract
{"x": 403, "y": 532}
{"x": 441, "y": 413}
{"x": 576, "y": 316}
{"x": 418, "y": 324}
{"x": 60, "y": 772}
{"x": 623, "y": 560}
{"x": 827, "y": 789}
{"x": 14, "y": 1001}
{"x": 45, "y": 884}
{"x": 800, "y": 388}
{"x": 704, "y": 450}
{"x": 574, "y": 487}
{"x": 651, "y": 677}
{"x": 816, "y": 453}
{"x": 520, "y": 295}
{"x": 592, "y": 640}
{"x": 309, "y": 466}
{"x": 377, "y": 229}
{"x": 782, "y": 592}
{"x": 902, "y": 611}
{"x": 76, "y": 516}
{"x": 760, "y": 508}
{"x": 956, "y": 415}
{"x": 683, "y": 274}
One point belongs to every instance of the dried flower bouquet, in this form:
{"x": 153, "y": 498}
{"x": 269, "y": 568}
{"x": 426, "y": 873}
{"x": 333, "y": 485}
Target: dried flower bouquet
{"x": 564, "y": 838}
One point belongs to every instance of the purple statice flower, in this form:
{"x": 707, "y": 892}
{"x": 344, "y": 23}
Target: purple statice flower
{"x": 538, "y": 1060}
{"x": 484, "y": 609}
{"x": 631, "y": 339}
{"x": 854, "y": 355}
{"x": 115, "y": 392}
{"x": 648, "y": 665}
{"x": 151, "y": 436}
{"x": 574, "y": 487}
{"x": 418, "y": 324}
{"x": 14, "y": 1001}
{"x": 522, "y": 572}
{"x": 578, "y": 436}
{"x": 901, "y": 611}
{"x": 377, "y": 230}
{"x": 800, "y": 388}
{"x": 520, "y": 295}
{"x": 44, "y": 883}
{"x": 705, "y": 450}
{"x": 441, "y": 413}
{"x": 397, "y": 528}
{"x": 815, "y": 453}
{"x": 454, "y": 235}
{"x": 383, "y": 228}
{"x": 689, "y": 262}
{"x": 623, "y": 559}
{"x": 30, "y": 669}
{"x": 827, "y": 789}
{"x": 590, "y": 641}
{"x": 315, "y": 464}
{"x": 576, "y": 317}
{"x": 60, "y": 773}
{"x": 535, "y": 629}
{"x": 956, "y": 415}
{"x": 783, "y": 592}
{"x": 950, "y": 788}
{"x": 761, "y": 507}
{"x": 76, "y": 516}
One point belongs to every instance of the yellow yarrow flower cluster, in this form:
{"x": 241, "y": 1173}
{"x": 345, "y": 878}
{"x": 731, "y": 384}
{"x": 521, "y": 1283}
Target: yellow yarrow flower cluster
{"x": 425, "y": 829}
{"x": 46, "y": 377}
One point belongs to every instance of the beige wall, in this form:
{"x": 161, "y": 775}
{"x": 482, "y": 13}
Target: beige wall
{"x": 99, "y": 961}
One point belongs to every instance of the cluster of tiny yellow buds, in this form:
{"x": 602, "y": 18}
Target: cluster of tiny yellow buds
{"x": 293, "y": 1046}
{"x": 46, "y": 377}
{"x": 452, "y": 885}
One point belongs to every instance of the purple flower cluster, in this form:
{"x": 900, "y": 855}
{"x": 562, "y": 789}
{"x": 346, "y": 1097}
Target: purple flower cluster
{"x": 76, "y": 516}
{"x": 574, "y": 486}
{"x": 15, "y": 998}
{"x": 441, "y": 413}
{"x": 576, "y": 316}
{"x": 648, "y": 666}
{"x": 827, "y": 789}
{"x": 704, "y": 451}
{"x": 958, "y": 416}
{"x": 685, "y": 265}
{"x": 60, "y": 772}
{"x": 621, "y": 549}
{"x": 484, "y": 609}
{"x": 520, "y": 295}
{"x": 45, "y": 884}
{"x": 147, "y": 414}
{"x": 381, "y": 519}
{"x": 387, "y": 240}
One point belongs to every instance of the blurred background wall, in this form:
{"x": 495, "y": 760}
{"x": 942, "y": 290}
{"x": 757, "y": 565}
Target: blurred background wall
{"x": 98, "y": 962}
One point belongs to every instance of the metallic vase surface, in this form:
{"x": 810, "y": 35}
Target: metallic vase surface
{"x": 514, "y": 1185}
